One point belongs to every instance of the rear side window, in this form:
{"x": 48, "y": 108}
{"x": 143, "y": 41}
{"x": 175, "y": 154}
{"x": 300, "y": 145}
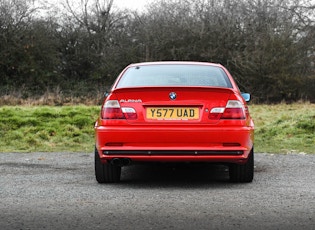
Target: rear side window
{"x": 174, "y": 75}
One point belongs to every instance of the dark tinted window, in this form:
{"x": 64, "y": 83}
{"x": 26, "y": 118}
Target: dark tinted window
{"x": 174, "y": 75}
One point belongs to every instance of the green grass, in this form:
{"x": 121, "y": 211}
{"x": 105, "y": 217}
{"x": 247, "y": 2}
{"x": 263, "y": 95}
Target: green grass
{"x": 45, "y": 128}
{"x": 284, "y": 128}
{"x": 279, "y": 128}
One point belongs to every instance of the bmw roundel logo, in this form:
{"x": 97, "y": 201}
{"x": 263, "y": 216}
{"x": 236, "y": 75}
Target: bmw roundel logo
{"x": 172, "y": 96}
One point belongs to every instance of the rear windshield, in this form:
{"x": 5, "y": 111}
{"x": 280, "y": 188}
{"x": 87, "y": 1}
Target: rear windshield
{"x": 174, "y": 75}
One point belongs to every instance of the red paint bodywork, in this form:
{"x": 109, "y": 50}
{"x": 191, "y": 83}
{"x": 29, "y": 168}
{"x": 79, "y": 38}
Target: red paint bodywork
{"x": 202, "y": 140}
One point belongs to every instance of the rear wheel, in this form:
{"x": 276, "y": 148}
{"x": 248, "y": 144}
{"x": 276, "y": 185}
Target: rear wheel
{"x": 243, "y": 173}
{"x": 106, "y": 173}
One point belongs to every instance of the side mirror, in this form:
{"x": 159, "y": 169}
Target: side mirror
{"x": 246, "y": 96}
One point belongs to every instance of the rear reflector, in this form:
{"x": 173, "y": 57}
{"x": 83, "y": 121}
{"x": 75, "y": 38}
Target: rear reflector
{"x": 228, "y": 144}
{"x": 114, "y": 144}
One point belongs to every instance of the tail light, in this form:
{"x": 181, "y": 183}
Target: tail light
{"x": 130, "y": 113}
{"x": 112, "y": 110}
{"x": 234, "y": 110}
{"x": 216, "y": 113}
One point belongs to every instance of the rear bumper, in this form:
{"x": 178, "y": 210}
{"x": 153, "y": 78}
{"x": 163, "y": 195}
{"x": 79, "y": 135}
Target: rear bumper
{"x": 175, "y": 144}
{"x": 218, "y": 158}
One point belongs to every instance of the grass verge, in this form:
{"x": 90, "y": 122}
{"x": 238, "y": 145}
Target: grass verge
{"x": 47, "y": 128}
{"x": 280, "y": 128}
{"x": 284, "y": 128}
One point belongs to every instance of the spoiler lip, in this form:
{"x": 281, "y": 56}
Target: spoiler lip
{"x": 173, "y": 88}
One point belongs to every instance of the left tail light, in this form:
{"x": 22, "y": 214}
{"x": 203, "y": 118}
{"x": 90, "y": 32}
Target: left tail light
{"x": 112, "y": 110}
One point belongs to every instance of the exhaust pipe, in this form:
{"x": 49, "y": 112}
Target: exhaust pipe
{"x": 126, "y": 161}
{"x": 120, "y": 161}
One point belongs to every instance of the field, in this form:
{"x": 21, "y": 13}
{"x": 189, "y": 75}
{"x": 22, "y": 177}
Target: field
{"x": 281, "y": 128}
{"x": 284, "y": 128}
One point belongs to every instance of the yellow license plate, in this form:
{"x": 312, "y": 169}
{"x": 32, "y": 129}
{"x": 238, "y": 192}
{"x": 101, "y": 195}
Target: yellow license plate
{"x": 172, "y": 113}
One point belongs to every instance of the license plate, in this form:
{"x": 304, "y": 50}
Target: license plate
{"x": 172, "y": 113}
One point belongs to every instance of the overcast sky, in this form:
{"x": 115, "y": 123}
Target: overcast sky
{"x": 132, "y": 4}
{"x": 75, "y": 5}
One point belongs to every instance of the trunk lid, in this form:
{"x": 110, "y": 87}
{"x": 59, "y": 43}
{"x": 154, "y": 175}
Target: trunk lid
{"x": 172, "y": 104}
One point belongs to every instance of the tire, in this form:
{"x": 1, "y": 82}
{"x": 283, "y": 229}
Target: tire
{"x": 106, "y": 173}
{"x": 243, "y": 173}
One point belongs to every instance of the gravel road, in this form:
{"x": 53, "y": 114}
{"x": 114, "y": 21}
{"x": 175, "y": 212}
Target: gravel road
{"x": 59, "y": 191}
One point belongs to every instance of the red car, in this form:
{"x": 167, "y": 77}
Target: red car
{"x": 174, "y": 112}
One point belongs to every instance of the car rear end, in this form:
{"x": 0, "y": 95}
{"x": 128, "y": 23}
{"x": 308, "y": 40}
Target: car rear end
{"x": 174, "y": 112}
